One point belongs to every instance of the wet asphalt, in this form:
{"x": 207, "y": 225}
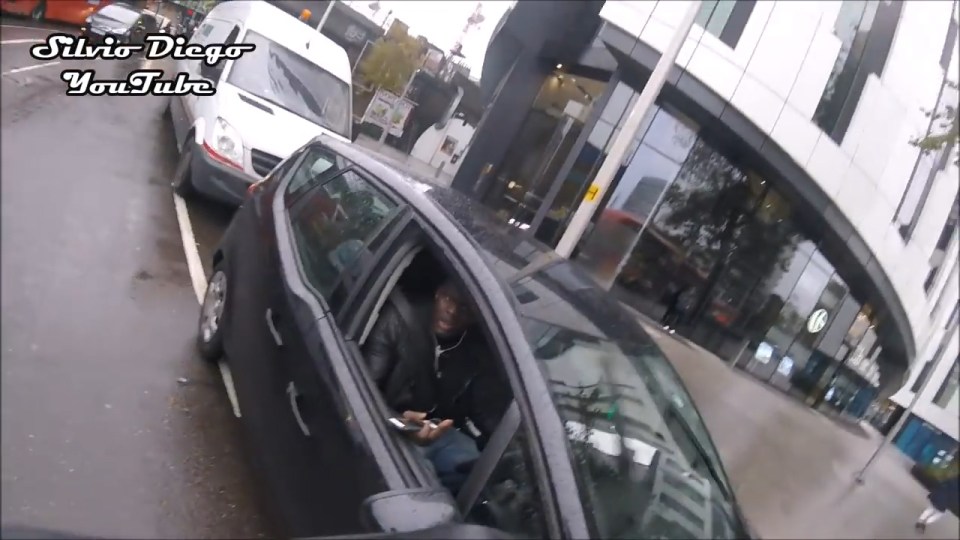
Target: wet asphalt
{"x": 111, "y": 424}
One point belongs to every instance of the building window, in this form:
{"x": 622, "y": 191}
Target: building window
{"x": 948, "y": 44}
{"x": 866, "y": 30}
{"x": 725, "y": 19}
{"x": 940, "y": 251}
{"x": 930, "y": 163}
{"x": 948, "y": 391}
{"x": 953, "y": 316}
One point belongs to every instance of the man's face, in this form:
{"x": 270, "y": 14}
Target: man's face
{"x": 450, "y": 312}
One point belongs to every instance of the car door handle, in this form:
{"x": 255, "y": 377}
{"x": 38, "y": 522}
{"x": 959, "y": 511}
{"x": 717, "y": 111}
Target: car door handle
{"x": 295, "y": 407}
{"x": 272, "y": 325}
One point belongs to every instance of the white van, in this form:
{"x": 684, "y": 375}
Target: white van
{"x": 269, "y": 102}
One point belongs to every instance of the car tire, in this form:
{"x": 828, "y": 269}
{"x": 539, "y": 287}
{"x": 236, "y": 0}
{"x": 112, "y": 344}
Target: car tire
{"x": 183, "y": 175}
{"x": 210, "y": 324}
{"x": 39, "y": 12}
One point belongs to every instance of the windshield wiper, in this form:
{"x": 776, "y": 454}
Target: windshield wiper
{"x": 734, "y": 518}
{"x": 702, "y": 452}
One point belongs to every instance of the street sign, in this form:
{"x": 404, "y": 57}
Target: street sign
{"x": 817, "y": 320}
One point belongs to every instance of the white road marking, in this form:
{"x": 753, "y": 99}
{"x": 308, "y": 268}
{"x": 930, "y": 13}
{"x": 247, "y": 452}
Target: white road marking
{"x": 199, "y": 281}
{"x": 194, "y": 264}
{"x": 30, "y": 68}
{"x": 228, "y": 384}
{"x": 34, "y": 28}
{"x": 19, "y": 41}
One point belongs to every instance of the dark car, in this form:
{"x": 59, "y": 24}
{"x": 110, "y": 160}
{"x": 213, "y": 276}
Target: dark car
{"x": 600, "y": 438}
{"x": 122, "y": 21}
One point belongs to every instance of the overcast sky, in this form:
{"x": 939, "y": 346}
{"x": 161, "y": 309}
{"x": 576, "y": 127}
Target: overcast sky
{"x": 442, "y": 22}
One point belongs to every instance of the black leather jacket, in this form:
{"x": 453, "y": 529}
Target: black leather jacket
{"x": 400, "y": 355}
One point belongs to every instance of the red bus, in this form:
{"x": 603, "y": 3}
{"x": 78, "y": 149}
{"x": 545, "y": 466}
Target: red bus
{"x": 73, "y": 12}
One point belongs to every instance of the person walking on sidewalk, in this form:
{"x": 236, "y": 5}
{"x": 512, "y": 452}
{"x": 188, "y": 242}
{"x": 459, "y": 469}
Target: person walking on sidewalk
{"x": 672, "y": 314}
{"x": 944, "y": 496}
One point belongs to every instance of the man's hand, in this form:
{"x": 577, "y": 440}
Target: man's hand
{"x": 428, "y": 434}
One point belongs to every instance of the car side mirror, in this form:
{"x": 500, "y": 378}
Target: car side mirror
{"x": 408, "y": 510}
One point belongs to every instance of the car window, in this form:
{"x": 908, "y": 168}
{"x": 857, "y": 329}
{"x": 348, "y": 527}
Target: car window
{"x": 120, "y": 14}
{"x": 334, "y": 224}
{"x": 149, "y": 23}
{"x": 510, "y": 500}
{"x": 284, "y": 167}
{"x": 317, "y": 167}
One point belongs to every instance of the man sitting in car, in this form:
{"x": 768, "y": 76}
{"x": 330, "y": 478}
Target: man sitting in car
{"x": 433, "y": 363}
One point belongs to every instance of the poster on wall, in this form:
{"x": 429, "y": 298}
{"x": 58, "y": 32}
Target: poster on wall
{"x": 383, "y": 112}
{"x": 764, "y": 352}
{"x": 786, "y": 366}
{"x": 449, "y": 145}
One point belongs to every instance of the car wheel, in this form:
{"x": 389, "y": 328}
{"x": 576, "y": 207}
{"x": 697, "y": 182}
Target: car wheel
{"x": 210, "y": 335}
{"x": 182, "y": 176}
{"x": 38, "y": 12}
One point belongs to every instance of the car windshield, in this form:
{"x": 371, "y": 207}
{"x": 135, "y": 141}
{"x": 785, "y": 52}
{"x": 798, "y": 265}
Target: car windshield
{"x": 119, "y": 14}
{"x": 647, "y": 468}
{"x": 646, "y": 465}
{"x": 283, "y": 78}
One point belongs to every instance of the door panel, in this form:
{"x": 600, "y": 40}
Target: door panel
{"x": 251, "y": 351}
{"x": 325, "y": 466}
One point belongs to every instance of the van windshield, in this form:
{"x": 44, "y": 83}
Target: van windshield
{"x": 283, "y": 78}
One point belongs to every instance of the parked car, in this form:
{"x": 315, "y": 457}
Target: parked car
{"x": 294, "y": 86}
{"x": 600, "y": 440}
{"x": 122, "y": 21}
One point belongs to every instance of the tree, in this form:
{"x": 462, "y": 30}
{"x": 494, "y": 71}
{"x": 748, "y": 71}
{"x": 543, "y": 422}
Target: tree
{"x": 390, "y": 61}
{"x": 723, "y": 221}
{"x": 943, "y": 129}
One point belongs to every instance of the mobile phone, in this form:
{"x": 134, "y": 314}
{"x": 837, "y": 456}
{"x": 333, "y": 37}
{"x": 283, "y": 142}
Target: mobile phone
{"x": 405, "y": 426}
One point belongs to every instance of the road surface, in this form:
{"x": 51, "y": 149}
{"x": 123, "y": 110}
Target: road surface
{"x": 111, "y": 425}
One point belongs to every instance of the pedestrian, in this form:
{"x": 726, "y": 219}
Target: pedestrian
{"x": 942, "y": 497}
{"x": 672, "y": 314}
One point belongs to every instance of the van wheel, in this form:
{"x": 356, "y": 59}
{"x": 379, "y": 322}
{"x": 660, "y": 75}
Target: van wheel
{"x": 183, "y": 176}
{"x": 40, "y": 11}
{"x": 210, "y": 325}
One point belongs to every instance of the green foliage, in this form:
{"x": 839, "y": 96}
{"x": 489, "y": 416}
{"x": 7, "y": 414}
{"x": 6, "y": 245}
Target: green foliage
{"x": 944, "y": 130}
{"x": 389, "y": 62}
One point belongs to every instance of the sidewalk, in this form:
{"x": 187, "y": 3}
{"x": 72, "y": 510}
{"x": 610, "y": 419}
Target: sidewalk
{"x": 792, "y": 467}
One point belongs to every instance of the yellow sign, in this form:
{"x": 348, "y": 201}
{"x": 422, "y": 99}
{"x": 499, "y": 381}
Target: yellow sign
{"x": 592, "y": 193}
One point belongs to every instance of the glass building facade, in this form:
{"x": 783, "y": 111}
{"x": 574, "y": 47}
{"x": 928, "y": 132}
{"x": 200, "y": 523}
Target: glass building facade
{"x": 687, "y": 230}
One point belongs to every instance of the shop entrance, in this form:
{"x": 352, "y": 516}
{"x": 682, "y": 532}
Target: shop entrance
{"x": 547, "y": 136}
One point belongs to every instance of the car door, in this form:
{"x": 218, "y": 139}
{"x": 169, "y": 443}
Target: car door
{"x": 251, "y": 350}
{"x": 328, "y": 217}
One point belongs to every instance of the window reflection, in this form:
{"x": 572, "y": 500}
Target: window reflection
{"x": 692, "y": 237}
{"x": 646, "y": 465}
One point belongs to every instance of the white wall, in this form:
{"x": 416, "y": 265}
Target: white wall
{"x": 943, "y": 418}
{"x": 776, "y": 76}
{"x": 428, "y": 146}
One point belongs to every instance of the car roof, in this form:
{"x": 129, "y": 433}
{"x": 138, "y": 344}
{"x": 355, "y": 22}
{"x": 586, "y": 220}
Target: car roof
{"x": 285, "y": 29}
{"x": 590, "y": 309}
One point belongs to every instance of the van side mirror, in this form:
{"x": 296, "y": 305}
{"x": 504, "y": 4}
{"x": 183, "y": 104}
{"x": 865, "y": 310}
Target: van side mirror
{"x": 211, "y": 73}
{"x": 408, "y": 510}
